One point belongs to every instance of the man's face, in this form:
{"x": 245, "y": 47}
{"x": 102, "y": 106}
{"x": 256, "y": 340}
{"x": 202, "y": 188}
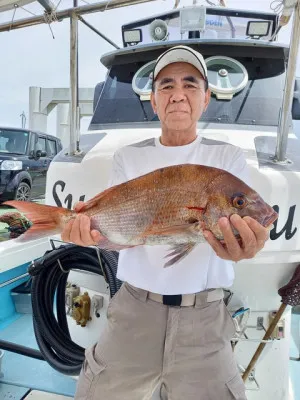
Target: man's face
{"x": 179, "y": 97}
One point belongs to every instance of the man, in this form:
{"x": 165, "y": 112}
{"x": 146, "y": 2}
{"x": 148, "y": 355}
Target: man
{"x": 169, "y": 326}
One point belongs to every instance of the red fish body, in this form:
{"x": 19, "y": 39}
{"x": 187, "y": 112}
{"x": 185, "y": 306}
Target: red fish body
{"x": 171, "y": 205}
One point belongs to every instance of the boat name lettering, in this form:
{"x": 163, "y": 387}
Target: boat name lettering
{"x": 68, "y": 199}
{"x": 287, "y": 228}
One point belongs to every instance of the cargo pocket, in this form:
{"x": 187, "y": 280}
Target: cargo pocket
{"x": 237, "y": 388}
{"x": 231, "y": 323}
{"x": 90, "y": 372}
{"x": 112, "y": 301}
{"x": 92, "y": 367}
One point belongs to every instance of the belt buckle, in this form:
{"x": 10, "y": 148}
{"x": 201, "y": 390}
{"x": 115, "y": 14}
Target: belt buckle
{"x": 172, "y": 300}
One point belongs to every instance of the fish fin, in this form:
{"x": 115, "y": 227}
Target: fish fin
{"x": 94, "y": 200}
{"x": 45, "y": 219}
{"x": 180, "y": 251}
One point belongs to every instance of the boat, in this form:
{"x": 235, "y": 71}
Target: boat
{"x": 255, "y": 99}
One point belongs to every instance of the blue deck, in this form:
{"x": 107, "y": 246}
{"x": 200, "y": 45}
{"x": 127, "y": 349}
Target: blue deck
{"x": 27, "y": 372}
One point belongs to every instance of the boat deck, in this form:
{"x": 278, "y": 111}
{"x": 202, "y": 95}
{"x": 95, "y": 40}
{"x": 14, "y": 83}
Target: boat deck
{"x": 25, "y": 372}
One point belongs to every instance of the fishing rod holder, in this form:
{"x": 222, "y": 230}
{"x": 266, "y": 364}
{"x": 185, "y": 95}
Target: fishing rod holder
{"x": 251, "y": 379}
{"x": 247, "y": 339}
{"x": 242, "y": 336}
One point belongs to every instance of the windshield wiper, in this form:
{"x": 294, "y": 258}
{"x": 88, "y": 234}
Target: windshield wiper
{"x": 143, "y": 108}
{"x": 244, "y": 101}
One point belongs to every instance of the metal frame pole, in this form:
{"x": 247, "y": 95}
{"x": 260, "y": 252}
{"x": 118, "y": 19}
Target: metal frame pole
{"x": 74, "y": 129}
{"x": 47, "y": 4}
{"x": 283, "y": 128}
{"x": 98, "y": 33}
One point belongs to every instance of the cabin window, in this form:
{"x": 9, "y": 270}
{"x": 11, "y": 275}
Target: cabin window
{"x": 258, "y": 103}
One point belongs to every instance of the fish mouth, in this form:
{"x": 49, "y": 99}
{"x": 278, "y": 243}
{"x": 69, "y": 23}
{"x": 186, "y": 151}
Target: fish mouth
{"x": 270, "y": 219}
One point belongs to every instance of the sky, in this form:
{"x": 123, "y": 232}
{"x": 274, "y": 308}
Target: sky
{"x": 31, "y": 57}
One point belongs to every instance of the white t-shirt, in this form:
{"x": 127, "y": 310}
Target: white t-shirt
{"x": 142, "y": 266}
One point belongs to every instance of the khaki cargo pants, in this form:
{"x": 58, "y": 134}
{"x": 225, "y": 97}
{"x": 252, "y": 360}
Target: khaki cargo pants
{"x": 186, "y": 350}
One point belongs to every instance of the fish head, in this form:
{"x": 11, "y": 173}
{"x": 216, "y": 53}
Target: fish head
{"x": 228, "y": 195}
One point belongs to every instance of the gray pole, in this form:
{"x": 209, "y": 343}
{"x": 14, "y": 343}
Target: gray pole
{"x": 74, "y": 129}
{"x": 98, "y": 33}
{"x": 47, "y": 4}
{"x": 283, "y": 128}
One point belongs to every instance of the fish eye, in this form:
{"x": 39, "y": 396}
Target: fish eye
{"x": 239, "y": 201}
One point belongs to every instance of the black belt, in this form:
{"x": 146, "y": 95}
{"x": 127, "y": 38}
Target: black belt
{"x": 172, "y": 299}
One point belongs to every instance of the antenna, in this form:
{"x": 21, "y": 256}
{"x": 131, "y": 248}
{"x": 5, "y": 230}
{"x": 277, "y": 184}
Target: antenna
{"x": 23, "y": 119}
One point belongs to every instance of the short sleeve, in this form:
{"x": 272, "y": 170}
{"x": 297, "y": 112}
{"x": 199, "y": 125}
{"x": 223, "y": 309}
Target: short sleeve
{"x": 117, "y": 173}
{"x": 239, "y": 167}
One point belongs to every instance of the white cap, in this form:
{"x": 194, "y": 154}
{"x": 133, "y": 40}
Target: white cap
{"x": 180, "y": 54}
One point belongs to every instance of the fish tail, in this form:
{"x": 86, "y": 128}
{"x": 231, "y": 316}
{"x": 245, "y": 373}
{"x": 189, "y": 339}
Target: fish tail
{"x": 46, "y": 220}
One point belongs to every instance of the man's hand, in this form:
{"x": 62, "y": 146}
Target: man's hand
{"x": 253, "y": 238}
{"x": 78, "y": 230}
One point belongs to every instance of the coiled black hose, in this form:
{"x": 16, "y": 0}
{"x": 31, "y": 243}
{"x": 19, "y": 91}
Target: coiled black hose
{"x": 18, "y": 349}
{"x": 49, "y": 277}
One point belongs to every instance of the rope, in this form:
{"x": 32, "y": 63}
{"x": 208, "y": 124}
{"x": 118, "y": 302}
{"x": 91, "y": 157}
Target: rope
{"x": 211, "y": 3}
{"x": 106, "y": 5}
{"x": 23, "y": 8}
{"x": 50, "y": 17}
{"x": 57, "y": 5}
{"x": 221, "y": 3}
{"x": 277, "y": 6}
{"x": 13, "y": 17}
{"x": 177, "y": 3}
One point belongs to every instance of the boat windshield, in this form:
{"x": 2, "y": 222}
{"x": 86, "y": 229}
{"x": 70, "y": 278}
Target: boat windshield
{"x": 258, "y": 100}
{"x": 13, "y": 141}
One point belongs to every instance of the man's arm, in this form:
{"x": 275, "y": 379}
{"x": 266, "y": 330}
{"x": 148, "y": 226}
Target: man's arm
{"x": 253, "y": 235}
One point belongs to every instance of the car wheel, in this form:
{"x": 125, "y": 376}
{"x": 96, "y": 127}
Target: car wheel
{"x": 23, "y": 192}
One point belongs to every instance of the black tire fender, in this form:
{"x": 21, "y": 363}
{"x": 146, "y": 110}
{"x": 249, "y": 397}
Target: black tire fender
{"x": 17, "y": 179}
